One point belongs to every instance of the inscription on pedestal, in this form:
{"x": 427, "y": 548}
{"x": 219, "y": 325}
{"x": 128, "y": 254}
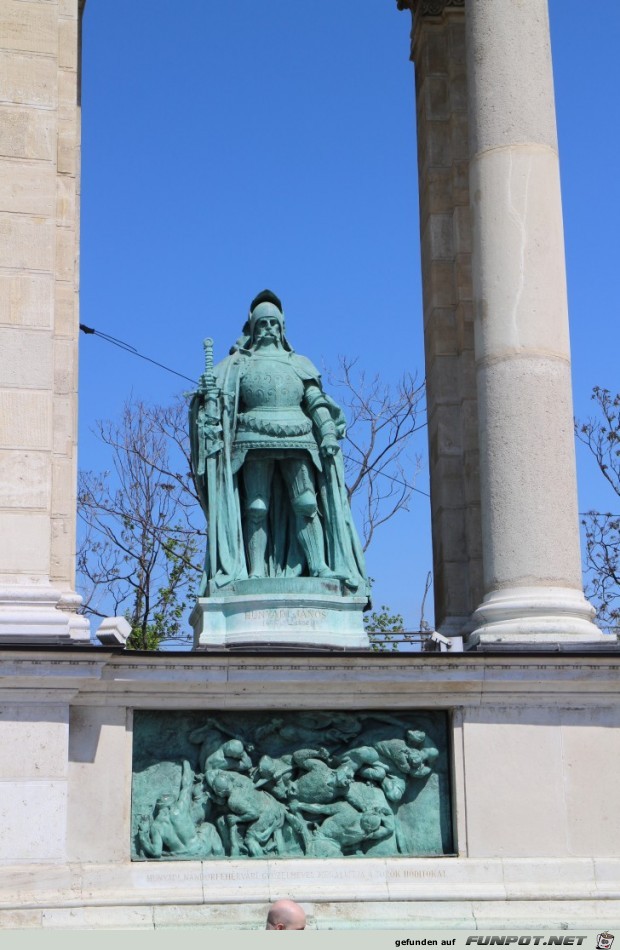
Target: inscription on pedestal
{"x": 287, "y": 616}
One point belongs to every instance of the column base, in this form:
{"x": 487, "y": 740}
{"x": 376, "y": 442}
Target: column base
{"x": 39, "y": 613}
{"x": 460, "y": 630}
{"x": 533, "y": 617}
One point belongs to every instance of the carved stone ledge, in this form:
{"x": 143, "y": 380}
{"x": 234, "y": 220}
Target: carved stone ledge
{"x": 428, "y": 7}
{"x": 422, "y": 10}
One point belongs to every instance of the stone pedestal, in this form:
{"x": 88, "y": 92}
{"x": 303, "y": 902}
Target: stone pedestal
{"x": 534, "y": 761}
{"x": 300, "y": 613}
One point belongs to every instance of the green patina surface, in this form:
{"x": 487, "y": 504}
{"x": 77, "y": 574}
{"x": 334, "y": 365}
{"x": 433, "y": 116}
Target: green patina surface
{"x": 267, "y": 464}
{"x": 266, "y": 785}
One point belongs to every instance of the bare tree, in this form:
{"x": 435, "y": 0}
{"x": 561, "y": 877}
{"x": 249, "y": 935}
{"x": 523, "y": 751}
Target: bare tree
{"x": 601, "y": 435}
{"x": 141, "y": 537}
{"x": 381, "y": 421}
{"x": 143, "y": 533}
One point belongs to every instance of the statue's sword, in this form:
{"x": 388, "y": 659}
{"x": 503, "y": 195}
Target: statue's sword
{"x": 211, "y": 462}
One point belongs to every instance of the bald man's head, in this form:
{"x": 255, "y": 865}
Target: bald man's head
{"x": 286, "y": 915}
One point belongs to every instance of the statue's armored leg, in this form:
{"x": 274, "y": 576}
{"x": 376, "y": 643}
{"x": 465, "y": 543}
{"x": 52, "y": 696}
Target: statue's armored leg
{"x": 298, "y": 477}
{"x": 257, "y": 475}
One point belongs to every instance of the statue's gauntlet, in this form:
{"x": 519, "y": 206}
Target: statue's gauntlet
{"x": 318, "y": 410}
{"x": 213, "y": 437}
{"x": 210, "y": 435}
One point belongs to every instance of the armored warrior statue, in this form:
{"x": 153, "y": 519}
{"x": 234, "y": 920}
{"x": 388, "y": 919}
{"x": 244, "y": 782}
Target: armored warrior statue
{"x": 267, "y": 463}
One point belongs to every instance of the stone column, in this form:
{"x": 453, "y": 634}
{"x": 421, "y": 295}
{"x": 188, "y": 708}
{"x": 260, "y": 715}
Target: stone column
{"x": 39, "y": 195}
{"x": 438, "y": 52}
{"x": 531, "y": 552}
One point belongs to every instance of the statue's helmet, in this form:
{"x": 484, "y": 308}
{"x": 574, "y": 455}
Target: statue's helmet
{"x": 369, "y": 822}
{"x": 265, "y": 304}
{"x": 233, "y": 748}
{"x": 222, "y": 783}
{"x": 415, "y": 737}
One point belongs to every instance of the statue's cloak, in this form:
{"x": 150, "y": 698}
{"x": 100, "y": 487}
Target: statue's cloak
{"x": 212, "y": 424}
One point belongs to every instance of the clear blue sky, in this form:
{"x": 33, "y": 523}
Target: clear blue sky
{"x": 231, "y": 146}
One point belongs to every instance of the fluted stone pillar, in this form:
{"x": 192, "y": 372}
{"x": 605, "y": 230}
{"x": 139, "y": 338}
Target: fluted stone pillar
{"x": 39, "y": 223}
{"x": 530, "y": 536}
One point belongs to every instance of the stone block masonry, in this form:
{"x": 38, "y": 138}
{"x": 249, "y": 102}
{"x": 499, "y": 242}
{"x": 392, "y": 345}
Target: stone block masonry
{"x": 39, "y": 235}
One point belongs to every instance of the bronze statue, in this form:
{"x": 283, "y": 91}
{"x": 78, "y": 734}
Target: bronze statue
{"x": 267, "y": 463}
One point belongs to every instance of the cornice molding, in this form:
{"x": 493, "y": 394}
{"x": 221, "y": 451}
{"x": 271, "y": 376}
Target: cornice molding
{"x": 427, "y": 10}
{"x": 208, "y": 680}
{"x": 428, "y": 7}
{"x": 422, "y": 10}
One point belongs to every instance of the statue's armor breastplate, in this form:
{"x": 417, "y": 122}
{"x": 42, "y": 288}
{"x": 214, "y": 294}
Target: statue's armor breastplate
{"x": 269, "y": 381}
{"x": 270, "y": 394}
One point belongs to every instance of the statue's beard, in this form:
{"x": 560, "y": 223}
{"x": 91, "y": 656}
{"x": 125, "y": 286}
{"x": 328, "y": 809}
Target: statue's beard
{"x": 266, "y": 337}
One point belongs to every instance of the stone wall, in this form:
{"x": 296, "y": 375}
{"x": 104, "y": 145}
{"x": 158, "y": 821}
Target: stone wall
{"x": 535, "y": 747}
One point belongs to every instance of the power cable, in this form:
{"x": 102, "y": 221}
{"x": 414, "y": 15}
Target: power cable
{"x": 392, "y": 478}
{"x": 134, "y": 352}
{"x": 131, "y": 349}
